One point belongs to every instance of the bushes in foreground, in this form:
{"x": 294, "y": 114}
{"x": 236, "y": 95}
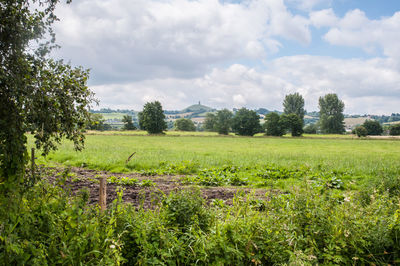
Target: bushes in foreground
{"x": 302, "y": 227}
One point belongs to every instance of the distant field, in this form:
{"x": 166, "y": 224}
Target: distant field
{"x": 113, "y": 115}
{"x": 358, "y": 157}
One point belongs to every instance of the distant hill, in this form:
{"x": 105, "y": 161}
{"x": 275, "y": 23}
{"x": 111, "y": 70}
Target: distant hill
{"x": 197, "y": 108}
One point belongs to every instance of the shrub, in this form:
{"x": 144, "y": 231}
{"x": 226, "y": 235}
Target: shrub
{"x": 361, "y": 131}
{"x": 184, "y": 124}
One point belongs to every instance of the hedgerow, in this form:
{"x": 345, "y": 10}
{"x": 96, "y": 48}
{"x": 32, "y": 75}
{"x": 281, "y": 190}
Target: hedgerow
{"x": 307, "y": 225}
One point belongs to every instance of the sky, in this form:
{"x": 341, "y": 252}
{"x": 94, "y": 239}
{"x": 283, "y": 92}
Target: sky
{"x": 232, "y": 54}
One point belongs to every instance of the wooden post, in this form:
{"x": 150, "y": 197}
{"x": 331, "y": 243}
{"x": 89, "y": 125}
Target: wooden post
{"x": 33, "y": 163}
{"x": 103, "y": 193}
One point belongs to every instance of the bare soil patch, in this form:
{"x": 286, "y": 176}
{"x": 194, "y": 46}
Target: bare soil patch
{"x": 146, "y": 197}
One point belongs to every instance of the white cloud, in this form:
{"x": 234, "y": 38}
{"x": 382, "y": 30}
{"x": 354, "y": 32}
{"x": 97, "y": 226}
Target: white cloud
{"x": 356, "y": 30}
{"x": 366, "y": 86}
{"x": 323, "y": 18}
{"x": 142, "y": 39}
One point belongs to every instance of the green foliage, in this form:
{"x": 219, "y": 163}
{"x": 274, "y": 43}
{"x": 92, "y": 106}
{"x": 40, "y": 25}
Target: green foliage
{"x": 361, "y": 131}
{"x": 331, "y": 114}
{"x": 152, "y": 118}
{"x": 48, "y": 227}
{"x": 294, "y": 104}
{"x": 373, "y": 127}
{"x": 394, "y": 130}
{"x": 210, "y": 123}
{"x": 246, "y": 122}
{"x": 126, "y": 181}
{"x": 223, "y": 121}
{"x": 215, "y": 177}
{"x": 319, "y": 224}
{"x": 184, "y": 124}
{"x": 186, "y": 208}
{"x": 96, "y": 122}
{"x": 273, "y": 125}
{"x": 293, "y": 123}
{"x": 311, "y": 129}
{"x": 37, "y": 94}
{"x": 128, "y": 123}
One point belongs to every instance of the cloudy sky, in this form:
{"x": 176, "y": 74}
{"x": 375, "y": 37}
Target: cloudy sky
{"x": 231, "y": 53}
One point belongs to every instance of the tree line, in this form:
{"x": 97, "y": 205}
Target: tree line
{"x": 245, "y": 122}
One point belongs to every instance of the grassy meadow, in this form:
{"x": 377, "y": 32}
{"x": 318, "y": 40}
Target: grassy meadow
{"x": 355, "y": 159}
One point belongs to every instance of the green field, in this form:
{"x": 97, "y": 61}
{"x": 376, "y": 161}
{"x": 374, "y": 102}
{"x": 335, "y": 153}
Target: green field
{"x": 354, "y": 159}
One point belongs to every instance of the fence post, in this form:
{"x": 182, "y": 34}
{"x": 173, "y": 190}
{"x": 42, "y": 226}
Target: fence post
{"x": 103, "y": 194}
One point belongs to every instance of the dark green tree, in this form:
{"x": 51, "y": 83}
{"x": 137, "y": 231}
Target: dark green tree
{"x": 373, "y": 127}
{"x": 152, "y": 118}
{"x": 293, "y": 123}
{"x": 331, "y": 114}
{"x": 184, "y": 124}
{"x": 210, "y": 122}
{"x": 95, "y": 122}
{"x": 246, "y": 122}
{"x": 273, "y": 125}
{"x": 361, "y": 131}
{"x": 223, "y": 121}
{"x": 394, "y": 130}
{"x": 47, "y": 97}
{"x": 294, "y": 104}
{"x": 128, "y": 123}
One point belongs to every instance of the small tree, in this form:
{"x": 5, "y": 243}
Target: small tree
{"x": 394, "y": 130}
{"x": 128, "y": 123}
{"x": 246, "y": 122}
{"x": 152, "y": 118}
{"x": 210, "y": 122}
{"x": 373, "y": 127}
{"x": 223, "y": 121}
{"x": 293, "y": 123}
{"x": 273, "y": 125}
{"x": 331, "y": 114}
{"x": 361, "y": 131}
{"x": 184, "y": 124}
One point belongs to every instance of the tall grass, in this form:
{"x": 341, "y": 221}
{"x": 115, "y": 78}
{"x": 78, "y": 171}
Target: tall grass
{"x": 110, "y": 152}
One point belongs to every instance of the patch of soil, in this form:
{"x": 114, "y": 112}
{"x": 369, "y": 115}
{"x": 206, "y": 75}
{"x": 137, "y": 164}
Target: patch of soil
{"x": 139, "y": 196}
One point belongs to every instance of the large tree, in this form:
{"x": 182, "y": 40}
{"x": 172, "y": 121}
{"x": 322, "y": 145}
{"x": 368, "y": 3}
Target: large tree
{"x": 246, "y": 122}
{"x": 294, "y": 104}
{"x": 373, "y": 127}
{"x": 223, "y": 121}
{"x": 331, "y": 114}
{"x": 46, "y": 97}
{"x": 292, "y": 123}
{"x": 273, "y": 125}
{"x": 152, "y": 118}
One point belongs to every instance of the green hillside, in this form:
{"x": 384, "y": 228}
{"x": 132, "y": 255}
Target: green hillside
{"x": 197, "y": 108}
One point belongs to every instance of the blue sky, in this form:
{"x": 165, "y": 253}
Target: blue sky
{"x": 236, "y": 53}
